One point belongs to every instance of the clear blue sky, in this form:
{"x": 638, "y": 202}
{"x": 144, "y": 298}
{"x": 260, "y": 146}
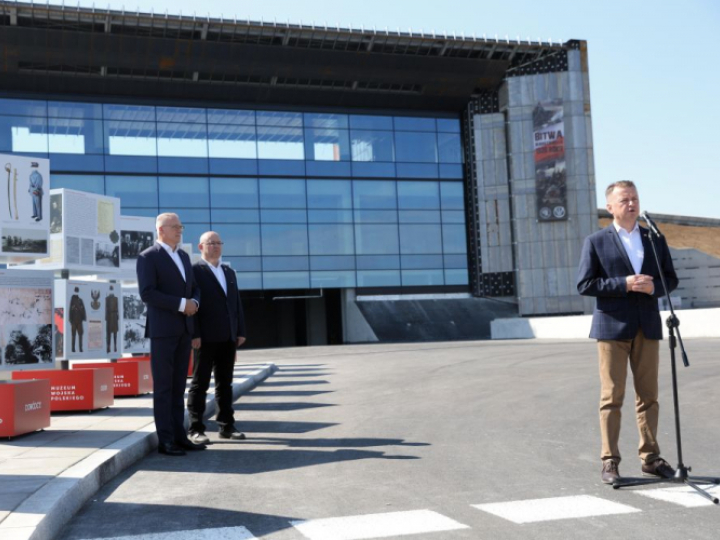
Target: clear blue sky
{"x": 654, "y": 77}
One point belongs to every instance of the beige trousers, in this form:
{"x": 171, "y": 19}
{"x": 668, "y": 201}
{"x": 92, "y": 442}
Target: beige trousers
{"x": 643, "y": 356}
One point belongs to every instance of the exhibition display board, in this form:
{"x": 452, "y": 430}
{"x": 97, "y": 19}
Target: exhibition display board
{"x": 24, "y": 208}
{"x": 136, "y": 235}
{"x": 77, "y": 389}
{"x": 24, "y": 406}
{"x": 26, "y": 318}
{"x": 91, "y": 319}
{"x": 84, "y": 233}
{"x": 134, "y": 315}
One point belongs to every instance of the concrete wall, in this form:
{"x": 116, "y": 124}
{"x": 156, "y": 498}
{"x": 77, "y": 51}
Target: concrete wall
{"x": 495, "y": 236}
{"x": 693, "y": 323}
{"x": 699, "y": 275}
{"x": 547, "y": 253}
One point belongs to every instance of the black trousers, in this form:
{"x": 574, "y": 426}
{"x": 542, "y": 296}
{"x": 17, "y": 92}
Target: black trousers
{"x": 220, "y": 359}
{"x": 169, "y": 359}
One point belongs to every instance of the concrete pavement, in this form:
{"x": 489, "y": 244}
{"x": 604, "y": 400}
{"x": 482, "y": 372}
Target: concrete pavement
{"x": 46, "y": 477}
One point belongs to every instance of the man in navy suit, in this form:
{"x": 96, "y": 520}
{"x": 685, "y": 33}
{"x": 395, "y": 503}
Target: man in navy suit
{"x": 167, "y": 285}
{"x": 219, "y": 331}
{"x": 618, "y": 268}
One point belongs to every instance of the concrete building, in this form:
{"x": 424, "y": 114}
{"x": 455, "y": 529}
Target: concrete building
{"x": 367, "y": 184}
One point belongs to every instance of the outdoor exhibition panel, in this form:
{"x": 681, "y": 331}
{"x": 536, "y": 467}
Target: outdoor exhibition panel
{"x": 26, "y": 318}
{"x": 137, "y": 233}
{"x": 24, "y": 406}
{"x": 84, "y": 233}
{"x": 24, "y": 208}
{"x": 129, "y": 378}
{"x": 92, "y": 319}
{"x": 134, "y": 321}
{"x": 75, "y": 390}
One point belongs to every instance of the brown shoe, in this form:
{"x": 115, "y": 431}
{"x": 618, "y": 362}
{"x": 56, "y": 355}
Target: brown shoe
{"x": 610, "y": 471}
{"x": 659, "y": 467}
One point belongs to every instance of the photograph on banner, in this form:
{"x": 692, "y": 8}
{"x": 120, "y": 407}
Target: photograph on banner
{"x": 549, "y": 157}
{"x": 91, "y": 319}
{"x": 26, "y": 320}
{"x": 134, "y": 323}
{"x": 84, "y": 232}
{"x": 24, "y": 208}
{"x": 137, "y": 233}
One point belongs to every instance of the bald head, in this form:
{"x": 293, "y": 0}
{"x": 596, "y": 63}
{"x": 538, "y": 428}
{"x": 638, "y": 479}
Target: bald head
{"x": 210, "y": 247}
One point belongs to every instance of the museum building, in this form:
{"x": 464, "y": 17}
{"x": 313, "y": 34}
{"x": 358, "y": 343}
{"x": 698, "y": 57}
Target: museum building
{"x": 368, "y": 185}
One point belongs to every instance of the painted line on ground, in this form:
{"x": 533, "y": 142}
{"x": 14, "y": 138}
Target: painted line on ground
{"x": 534, "y": 510}
{"x": 376, "y": 525}
{"x": 683, "y": 495}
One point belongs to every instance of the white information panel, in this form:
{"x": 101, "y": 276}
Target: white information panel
{"x": 134, "y": 314}
{"x": 136, "y": 235}
{"x": 84, "y": 232}
{"x": 24, "y": 208}
{"x": 26, "y": 320}
{"x": 92, "y": 318}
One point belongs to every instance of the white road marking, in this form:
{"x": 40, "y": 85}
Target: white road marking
{"x": 222, "y": 533}
{"x": 683, "y": 495}
{"x": 533, "y": 510}
{"x": 376, "y": 525}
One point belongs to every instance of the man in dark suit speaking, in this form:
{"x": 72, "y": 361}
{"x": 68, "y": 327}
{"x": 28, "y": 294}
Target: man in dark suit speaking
{"x": 167, "y": 286}
{"x": 219, "y": 331}
{"x": 617, "y": 267}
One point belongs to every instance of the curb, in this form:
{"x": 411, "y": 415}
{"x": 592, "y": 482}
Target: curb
{"x": 43, "y": 515}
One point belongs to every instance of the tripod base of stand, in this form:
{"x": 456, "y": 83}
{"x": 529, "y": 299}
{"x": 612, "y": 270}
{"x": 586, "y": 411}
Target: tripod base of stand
{"x": 681, "y": 477}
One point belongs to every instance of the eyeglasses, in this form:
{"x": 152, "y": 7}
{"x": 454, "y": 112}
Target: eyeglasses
{"x": 213, "y": 243}
{"x": 176, "y": 227}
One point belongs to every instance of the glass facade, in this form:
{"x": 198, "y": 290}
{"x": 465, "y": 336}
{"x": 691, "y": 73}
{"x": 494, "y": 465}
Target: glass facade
{"x": 301, "y": 199}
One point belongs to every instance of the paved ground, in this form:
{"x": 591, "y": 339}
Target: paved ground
{"x": 442, "y": 441}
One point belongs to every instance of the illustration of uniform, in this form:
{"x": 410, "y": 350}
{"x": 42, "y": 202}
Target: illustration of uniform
{"x": 76, "y": 318}
{"x": 112, "y": 319}
{"x": 36, "y": 191}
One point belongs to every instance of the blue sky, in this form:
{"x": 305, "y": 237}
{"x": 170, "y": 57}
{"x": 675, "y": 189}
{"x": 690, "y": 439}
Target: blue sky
{"x": 654, "y": 80}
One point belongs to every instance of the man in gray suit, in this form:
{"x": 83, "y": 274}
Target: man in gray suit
{"x": 618, "y": 268}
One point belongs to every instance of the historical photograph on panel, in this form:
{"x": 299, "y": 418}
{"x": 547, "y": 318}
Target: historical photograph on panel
{"x": 84, "y": 325}
{"x": 134, "y": 313}
{"x": 24, "y": 210}
{"x": 107, "y": 254}
{"x": 112, "y": 319}
{"x": 26, "y": 316}
{"x": 134, "y": 243}
{"x": 59, "y": 320}
{"x": 56, "y": 213}
{"x": 24, "y": 241}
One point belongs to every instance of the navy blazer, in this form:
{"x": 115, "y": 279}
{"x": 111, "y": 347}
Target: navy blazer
{"x": 604, "y": 265}
{"x": 162, "y": 287}
{"x": 221, "y": 317}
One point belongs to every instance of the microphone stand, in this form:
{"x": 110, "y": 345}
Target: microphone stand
{"x": 681, "y": 472}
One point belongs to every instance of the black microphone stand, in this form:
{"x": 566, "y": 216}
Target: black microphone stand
{"x": 681, "y": 472}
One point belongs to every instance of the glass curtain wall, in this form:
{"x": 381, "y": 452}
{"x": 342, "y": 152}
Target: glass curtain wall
{"x": 300, "y": 199}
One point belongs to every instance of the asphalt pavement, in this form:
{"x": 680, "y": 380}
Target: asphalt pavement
{"x": 461, "y": 440}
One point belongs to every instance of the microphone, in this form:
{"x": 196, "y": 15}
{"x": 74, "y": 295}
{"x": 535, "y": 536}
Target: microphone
{"x": 651, "y": 224}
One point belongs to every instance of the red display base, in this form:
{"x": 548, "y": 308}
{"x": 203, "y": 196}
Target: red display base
{"x": 130, "y": 378}
{"x": 146, "y": 358}
{"x": 24, "y": 407}
{"x": 75, "y": 389}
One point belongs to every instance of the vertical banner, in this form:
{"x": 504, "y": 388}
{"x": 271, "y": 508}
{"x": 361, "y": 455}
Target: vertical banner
{"x": 26, "y": 320}
{"x": 550, "y": 175}
{"x": 24, "y": 208}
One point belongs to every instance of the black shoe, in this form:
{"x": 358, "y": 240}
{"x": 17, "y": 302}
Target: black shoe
{"x": 610, "y": 473}
{"x": 233, "y": 434}
{"x": 199, "y": 437}
{"x": 187, "y": 444}
{"x": 659, "y": 467}
{"x": 170, "y": 449}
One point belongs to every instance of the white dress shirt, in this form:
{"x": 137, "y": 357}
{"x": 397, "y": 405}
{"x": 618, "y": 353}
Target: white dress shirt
{"x": 632, "y": 242}
{"x": 218, "y": 273}
{"x": 175, "y": 256}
